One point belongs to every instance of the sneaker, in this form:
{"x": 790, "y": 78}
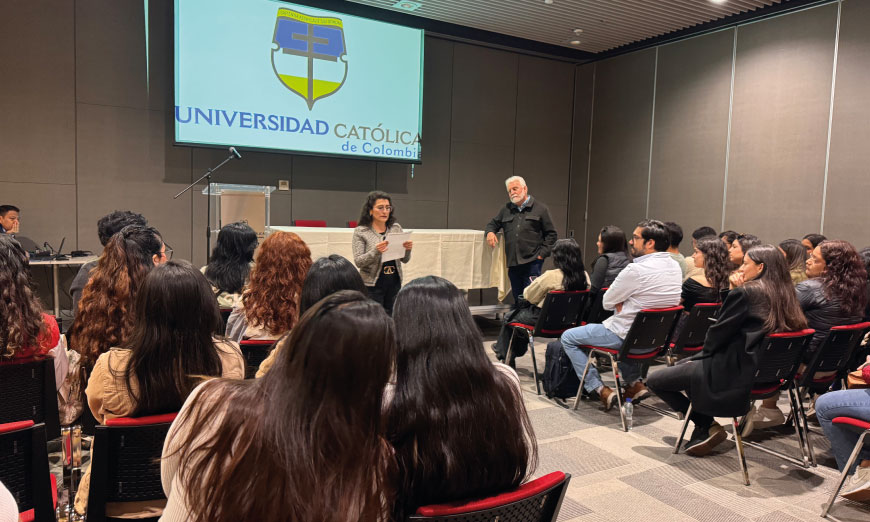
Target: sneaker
{"x": 858, "y": 487}
{"x": 768, "y": 417}
{"x": 637, "y": 392}
{"x": 702, "y": 443}
{"x": 608, "y": 398}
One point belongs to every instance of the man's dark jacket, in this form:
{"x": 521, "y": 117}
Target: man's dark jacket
{"x": 528, "y": 233}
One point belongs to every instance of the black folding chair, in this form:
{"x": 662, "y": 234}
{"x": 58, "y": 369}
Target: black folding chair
{"x": 595, "y": 312}
{"x": 125, "y": 465}
{"x": 690, "y": 340}
{"x": 24, "y": 470}
{"x": 536, "y": 501}
{"x": 778, "y": 358}
{"x": 558, "y": 313}
{"x": 29, "y": 393}
{"x": 647, "y": 338}
{"x": 255, "y": 352}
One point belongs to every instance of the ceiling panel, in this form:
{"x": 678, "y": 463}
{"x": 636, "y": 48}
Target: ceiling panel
{"x": 606, "y": 24}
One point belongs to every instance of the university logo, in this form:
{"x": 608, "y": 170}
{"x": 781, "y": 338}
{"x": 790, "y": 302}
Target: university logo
{"x": 310, "y": 58}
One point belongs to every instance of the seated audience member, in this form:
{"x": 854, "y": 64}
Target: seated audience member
{"x": 105, "y": 316}
{"x": 107, "y": 226}
{"x": 834, "y": 295}
{"x": 230, "y": 263}
{"x": 675, "y": 236}
{"x": 447, "y": 403}
{"x": 737, "y": 250}
{"x": 310, "y": 429}
{"x": 811, "y": 241}
{"x": 865, "y": 256}
{"x": 696, "y": 235}
{"x": 568, "y": 274}
{"x": 270, "y": 305}
{"x": 796, "y": 259}
{"x": 711, "y": 257}
{"x": 848, "y": 403}
{"x": 613, "y": 257}
{"x": 10, "y": 219}
{"x": 169, "y": 350}
{"x": 326, "y": 276}
{"x": 25, "y": 330}
{"x": 728, "y": 237}
{"x": 652, "y": 280}
{"x": 719, "y": 378}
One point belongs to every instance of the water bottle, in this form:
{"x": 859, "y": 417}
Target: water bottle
{"x": 628, "y": 410}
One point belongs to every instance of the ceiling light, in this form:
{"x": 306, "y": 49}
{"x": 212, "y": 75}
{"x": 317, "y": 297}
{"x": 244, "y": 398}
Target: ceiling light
{"x": 578, "y": 31}
{"x": 718, "y": 1}
{"x": 575, "y": 42}
{"x": 548, "y": 2}
{"x": 407, "y": 5}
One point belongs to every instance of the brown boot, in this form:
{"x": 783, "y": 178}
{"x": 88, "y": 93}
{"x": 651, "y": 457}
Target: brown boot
{"x": 637, "y": 392}
{"x": 608, "y": 398}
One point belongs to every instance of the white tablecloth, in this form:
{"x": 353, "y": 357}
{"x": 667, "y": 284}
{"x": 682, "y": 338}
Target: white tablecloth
{"x": 460, "y": 256}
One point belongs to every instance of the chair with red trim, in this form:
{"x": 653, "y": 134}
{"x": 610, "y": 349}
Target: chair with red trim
{"x": 225, "y": 315}
{"x": 24, "y": 470}
{"x": 859, "y": 424}
{"x": 777, "y": 360}
{"x": 29, "y": 392}
{"x": 255, "y": 352}
{"x": 317, "y": 223}
{"x": 595, "y": 312}
{"x": 559, "y": 312}
{"x": 125, "y": 465}
{"x": 351, "y": 224}
{"x": 647, "y": 338}
{"x": 690, "y": 339}
{"x": 536, "y": 501}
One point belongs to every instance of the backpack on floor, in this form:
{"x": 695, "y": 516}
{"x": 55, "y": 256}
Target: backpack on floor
{"x": 559, "y": 379}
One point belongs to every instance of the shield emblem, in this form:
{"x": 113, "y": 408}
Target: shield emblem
{"x": 310, "y": 58}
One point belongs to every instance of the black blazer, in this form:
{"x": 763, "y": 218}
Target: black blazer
{"x": 722, "y": 382}
{"x": 527, "y": 234}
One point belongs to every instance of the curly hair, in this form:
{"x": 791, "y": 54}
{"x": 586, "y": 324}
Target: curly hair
{"x": 272, "y": 298}
{"x": 105, "y": 317}
{"x": 111, "y": 224}
{"x": 365, "y": 217}
{"x": 20, "y": 310}
{"x": 716, "y": 263}
{"x": 845, "y": 277}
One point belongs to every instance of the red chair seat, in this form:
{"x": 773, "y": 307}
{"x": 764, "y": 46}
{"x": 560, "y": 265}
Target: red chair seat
{"x": 615, "y": 351}
{"x": 529, "y": 489}
{"x": 766, "y": 389}
{"x": 522, "y": 325}
{"x": 142, "y": 421}
{"x": 858, "y": 423}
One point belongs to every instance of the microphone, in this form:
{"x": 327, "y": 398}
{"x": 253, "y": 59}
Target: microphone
{"x": 235, "y": 153}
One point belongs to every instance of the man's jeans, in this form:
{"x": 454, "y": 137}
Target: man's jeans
{"x": 844, "y": 403}
{"x": 596, "y": 335}
{"x": 520, "y": 275}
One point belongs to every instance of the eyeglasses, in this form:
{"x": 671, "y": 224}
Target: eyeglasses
{"x": 387, "y": 208}
{"x": 636, "y": 237}
{"x": 167, "y": 252}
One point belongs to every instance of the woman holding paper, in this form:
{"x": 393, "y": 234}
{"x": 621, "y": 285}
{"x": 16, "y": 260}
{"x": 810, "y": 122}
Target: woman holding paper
{"x": 378, "y": 264}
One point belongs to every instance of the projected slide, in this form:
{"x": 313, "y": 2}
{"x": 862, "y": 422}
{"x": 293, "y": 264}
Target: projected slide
{"x": 278, "y": 76}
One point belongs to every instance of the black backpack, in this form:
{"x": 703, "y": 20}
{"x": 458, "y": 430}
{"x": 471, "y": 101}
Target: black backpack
{"x": 559, "y": 379}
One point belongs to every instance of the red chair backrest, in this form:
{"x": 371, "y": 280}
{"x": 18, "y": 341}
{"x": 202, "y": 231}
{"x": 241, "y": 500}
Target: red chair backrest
{"x": 779, "y": 356}
{"x": 595, "y": 312}
{"x": 351, "y": 224}
{"x": 319, "y": 223}
{"x": 24, "y": 469}
{"x": 255, "y": 352}
{"x": 834, "y": 353}
{"x": 536, "y": 501}
{"x": 650, "y": 332}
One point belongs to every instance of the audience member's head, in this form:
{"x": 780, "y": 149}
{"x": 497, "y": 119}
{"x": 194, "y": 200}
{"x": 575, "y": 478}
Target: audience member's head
{"x": 230, "y": 262}
{"x": 310, "y": 428}
{"x": 741, "y": 244}
{"x": 326, "y": 276}
{"x": 811, "y": 241}
{"x": 272, "y": 299}
{"x": 728, "y": 237}
{"x": 767, "y": 282}
{"x": 611, "y": 239}
{"x": 449, "y": 399}
{"x": 842, "y": 272}
{"x": 675, "y": 235}
{"x": 711, "y": 255}
{"x": 795, "y": 254}
{"x": 111, "y": 224}
{"x": 865, "y": 256}
{"x": 105, "y": 316}
{"x": 10, "y": 219}
{"x": 20, "y": 310}
{"x": 568, "y": 258}
{"x": 175, "y": 317}
{"x": 650, "y": 235}
{"x": 376, "y": 198}
{"x": 702, "y": 232}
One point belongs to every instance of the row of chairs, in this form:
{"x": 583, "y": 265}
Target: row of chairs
{"x": 317, "y": 223}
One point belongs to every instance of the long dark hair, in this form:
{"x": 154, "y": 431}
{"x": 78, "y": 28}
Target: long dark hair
{"x": 814, "y": 239}
{"x": 326, "y": 276}
{"x": 795, "y": 254}
{"x": 365, "y": 218}
{"x": 20, "y": 309}
{"x": 717, "y": 266}
{"x": 613, "y": 240}
{"x": 568, "y": 258}
{"x": 309, "y": 429}
{"x": 449, "y": 400}
{"x": 176, "y": 316}
{"x": 773, "y": 292}
{"x": 845, "y": 277}
{"x": 230, "y": 261}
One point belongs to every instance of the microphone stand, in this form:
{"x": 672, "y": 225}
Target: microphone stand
{"x": 207, "y": 176}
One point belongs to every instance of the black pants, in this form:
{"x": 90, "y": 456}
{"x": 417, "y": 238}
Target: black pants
{"x": 671, "y": 383}
{"x": 520, "y": 275}
{"x": 385, "y": 290}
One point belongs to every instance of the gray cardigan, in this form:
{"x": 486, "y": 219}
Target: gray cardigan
{"x": 366, "y": 256}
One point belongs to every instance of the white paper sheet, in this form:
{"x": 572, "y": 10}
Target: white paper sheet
{"x": 395, "y": 250}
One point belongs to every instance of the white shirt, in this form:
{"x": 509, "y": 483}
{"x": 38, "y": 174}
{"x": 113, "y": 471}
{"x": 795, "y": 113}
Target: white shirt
{"x": 8, "y": 508}
{"x": 651, "y": 281}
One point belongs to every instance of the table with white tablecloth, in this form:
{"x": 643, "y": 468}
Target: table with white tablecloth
{"x": 460, "y": 256}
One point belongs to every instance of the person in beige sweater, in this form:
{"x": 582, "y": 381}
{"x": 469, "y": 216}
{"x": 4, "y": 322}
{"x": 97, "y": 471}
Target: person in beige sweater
{"x": 171, "y": 348}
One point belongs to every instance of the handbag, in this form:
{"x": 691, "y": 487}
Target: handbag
{"x": 859, "y": 378}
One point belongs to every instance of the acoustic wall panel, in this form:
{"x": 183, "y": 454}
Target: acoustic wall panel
{"x": 582, "y": 126}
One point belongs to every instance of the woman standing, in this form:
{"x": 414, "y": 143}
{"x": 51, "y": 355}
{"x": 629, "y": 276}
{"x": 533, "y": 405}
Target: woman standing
{"x": 370, "y": 241}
